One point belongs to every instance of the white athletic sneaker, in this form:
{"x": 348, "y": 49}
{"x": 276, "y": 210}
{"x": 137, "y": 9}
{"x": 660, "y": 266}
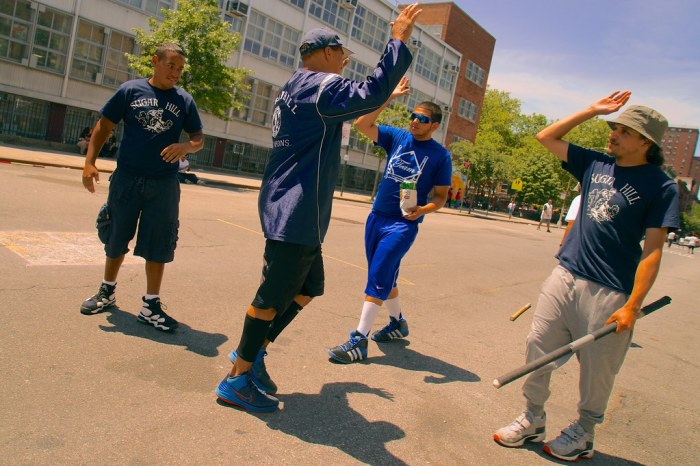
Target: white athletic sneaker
{"x": 573, "y": 443}
{"x": 525, "y": 428}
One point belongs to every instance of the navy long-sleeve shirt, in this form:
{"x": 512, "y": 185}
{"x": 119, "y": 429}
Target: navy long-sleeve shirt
{"x": 299, "y": 181}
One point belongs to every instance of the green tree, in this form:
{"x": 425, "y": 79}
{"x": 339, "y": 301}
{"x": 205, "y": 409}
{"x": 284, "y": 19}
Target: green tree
{"x": 197, "y": 27}
{"x": 487, "y": 166}
{"x": 492, "y": 158}
{"x": 691, "y": 221}
{"x": 592, "y": 134}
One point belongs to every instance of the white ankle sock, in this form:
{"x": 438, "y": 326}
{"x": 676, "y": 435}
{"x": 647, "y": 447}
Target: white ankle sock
{"x": 394, "y": 307}
{"x": 151, "y": 296}
{"x": 369, "y": 312}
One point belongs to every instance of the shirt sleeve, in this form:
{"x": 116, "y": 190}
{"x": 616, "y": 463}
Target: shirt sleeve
{"x": 444, "y": 173}
{"x": 115, "y": 108}
{"x": 664, "y": 209}
{"x": 345, "y": 99}
{"x": 193, "y": 123}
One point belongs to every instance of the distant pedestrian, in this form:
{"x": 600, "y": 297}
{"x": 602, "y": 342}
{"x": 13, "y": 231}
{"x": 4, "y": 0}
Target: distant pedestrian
{"x": 692, "y": 242}
{"x": 450, "y": 196}
{"x": 546, "y": 215}
{"x": 458, "y": 197}
{"x": 511, "y": 208}
{"x": 84, "y": 140}
{"x": 185, "y": 175}
{"x": 671, "y": 238}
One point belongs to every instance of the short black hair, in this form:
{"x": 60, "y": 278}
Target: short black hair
{"x": 169, "y": 47}
{"x": 435, "y": 110}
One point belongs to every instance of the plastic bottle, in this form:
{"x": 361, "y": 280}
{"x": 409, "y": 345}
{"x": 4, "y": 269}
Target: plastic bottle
{"x": 409, "y": 196}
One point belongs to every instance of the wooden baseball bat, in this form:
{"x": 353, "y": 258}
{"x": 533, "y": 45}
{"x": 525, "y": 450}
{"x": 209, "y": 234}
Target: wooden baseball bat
{"x": 520, "y": 311}
{"x": 573, "y": 346}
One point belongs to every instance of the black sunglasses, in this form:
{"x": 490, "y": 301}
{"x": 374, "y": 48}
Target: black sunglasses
{"x": 421, "y": 118}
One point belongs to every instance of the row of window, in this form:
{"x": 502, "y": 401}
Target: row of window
{"x": 36, "y": 35}
{"x": 274, "y": 41}
{"x": 467, "y": 110}
{"x": 153, "y": 7}
{"x": 99, "y": 52}
{"x": 475, "y": 73}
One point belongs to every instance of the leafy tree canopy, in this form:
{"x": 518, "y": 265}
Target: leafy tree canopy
{"x": 197, "y": 27}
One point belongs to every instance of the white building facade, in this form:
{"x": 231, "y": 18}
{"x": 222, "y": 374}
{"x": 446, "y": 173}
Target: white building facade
{"x": 60, "y": 60}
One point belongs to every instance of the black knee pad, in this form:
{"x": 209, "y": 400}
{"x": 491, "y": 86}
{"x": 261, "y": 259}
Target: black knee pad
{"x": 254, "y": 334}
{"x": 281, "y": 321}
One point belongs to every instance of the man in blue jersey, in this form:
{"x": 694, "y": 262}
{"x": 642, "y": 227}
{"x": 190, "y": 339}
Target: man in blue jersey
{"x": 413, "y": 156}
{"x": 603, "y": 274}
{"x": 144, "y": 190}
{"x": 297, "y": 192}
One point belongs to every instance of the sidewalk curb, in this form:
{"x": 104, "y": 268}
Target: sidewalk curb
{"x": 254, "y": 187}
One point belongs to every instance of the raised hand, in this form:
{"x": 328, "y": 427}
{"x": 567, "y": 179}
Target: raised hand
{"x": 401, "y": 89}
{"x": 611, "y": 103}
{"x": 402, "y": 26}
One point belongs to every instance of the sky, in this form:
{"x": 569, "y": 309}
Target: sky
{"x": 557, "y": 56}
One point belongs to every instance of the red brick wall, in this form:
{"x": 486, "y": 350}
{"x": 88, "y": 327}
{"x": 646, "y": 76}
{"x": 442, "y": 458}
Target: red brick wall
{"x": 465, "y": 35}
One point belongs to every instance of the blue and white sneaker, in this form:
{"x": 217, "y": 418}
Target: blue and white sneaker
{"x": 242, "y": 392}
{"x": 355, "y": 349}
{"x": 258, "y": 372}
{"x": 393, "y": 330}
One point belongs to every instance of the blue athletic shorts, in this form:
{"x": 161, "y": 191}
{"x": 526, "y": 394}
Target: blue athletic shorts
{"x": 387, "y": 240}
{"x": 153, "y": 205}
{"x": 289, "y": 269}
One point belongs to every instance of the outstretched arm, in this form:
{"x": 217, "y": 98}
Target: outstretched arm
{"x": 551, "y": 136}
{"x": 367, "y": 124}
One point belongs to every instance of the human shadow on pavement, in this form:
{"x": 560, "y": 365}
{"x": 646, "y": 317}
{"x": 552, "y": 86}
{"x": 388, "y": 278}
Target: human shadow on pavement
{"x": 397, "y": 354}
{"x": 598, "y": 457}
{"x": 196, "y": 341}
{"x": 603, "y": 459}
{"x": 326, "y": 418}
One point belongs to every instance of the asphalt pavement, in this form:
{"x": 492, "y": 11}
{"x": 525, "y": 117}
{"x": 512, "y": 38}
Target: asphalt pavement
{"x": 105, "y": 389}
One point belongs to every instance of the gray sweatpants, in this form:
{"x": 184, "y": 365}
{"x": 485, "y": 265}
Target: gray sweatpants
{"x": 568, "y": 308}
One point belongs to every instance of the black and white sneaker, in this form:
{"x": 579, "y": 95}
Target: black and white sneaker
{"x": 153, "y": 313}
{"x": 102, "y": 300}
{"x": 355, "y": 349}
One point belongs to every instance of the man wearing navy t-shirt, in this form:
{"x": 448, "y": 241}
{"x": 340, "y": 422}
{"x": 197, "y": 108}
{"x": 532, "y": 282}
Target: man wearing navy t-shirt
{"x": 604, "y": 274}
{"x": 413, "y": 156}
{"x": 144, "y": 191}
{"x": 297, "y": 193}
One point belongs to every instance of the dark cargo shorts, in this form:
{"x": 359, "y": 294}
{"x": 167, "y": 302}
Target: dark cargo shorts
{"x": 289, "y": 269}
{"x": 151, "y": 203}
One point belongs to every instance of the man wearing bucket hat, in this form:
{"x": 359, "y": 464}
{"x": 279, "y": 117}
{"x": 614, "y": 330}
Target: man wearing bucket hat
{"x": 603, "y": 274}
{"x": 297, "y": 192}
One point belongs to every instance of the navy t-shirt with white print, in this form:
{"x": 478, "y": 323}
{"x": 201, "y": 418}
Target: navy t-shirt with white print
{"x": 153, "y": 119}
{"x": 426, "y": 163}
{"x": 618, "y": 204}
